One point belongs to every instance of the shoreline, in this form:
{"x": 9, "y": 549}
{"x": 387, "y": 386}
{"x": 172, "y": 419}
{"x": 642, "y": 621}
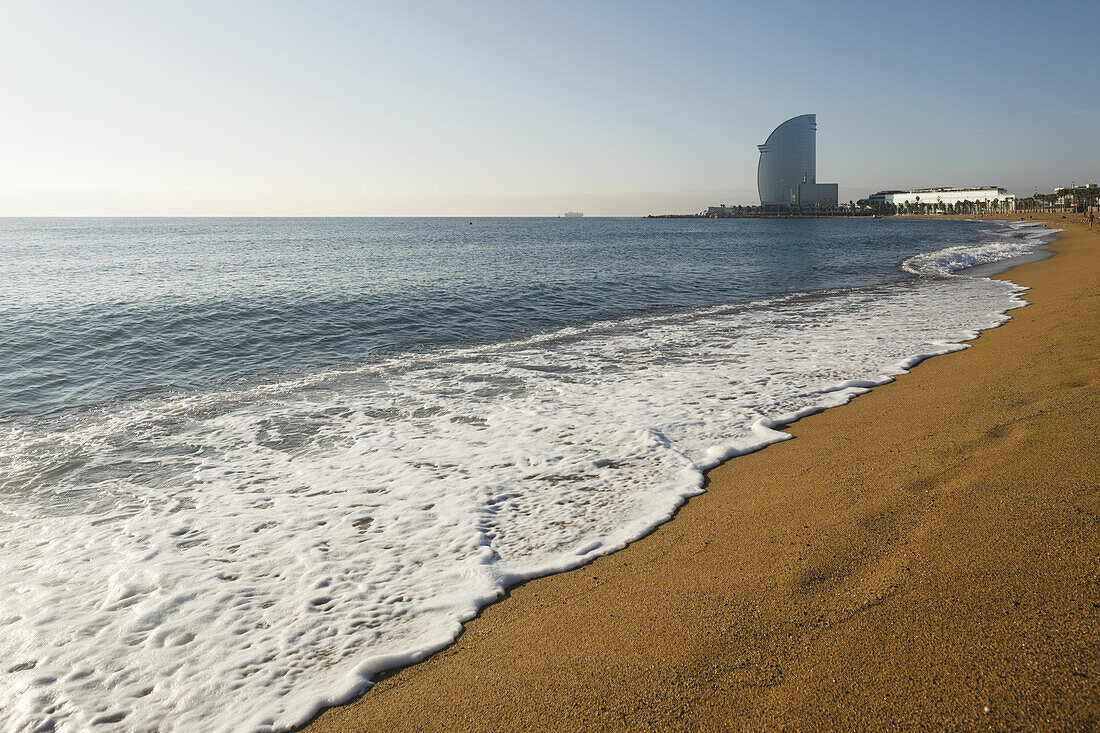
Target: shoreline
{"x": 712, "y": 652}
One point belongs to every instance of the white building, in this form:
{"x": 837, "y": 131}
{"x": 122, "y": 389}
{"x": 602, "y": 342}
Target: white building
{"x": 1077, "y": 195}
{"x": 988, "y": 197}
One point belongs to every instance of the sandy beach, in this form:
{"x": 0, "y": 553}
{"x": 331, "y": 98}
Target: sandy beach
{"x": 927, "y": 556}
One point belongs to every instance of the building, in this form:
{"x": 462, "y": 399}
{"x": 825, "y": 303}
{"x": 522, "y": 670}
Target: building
{"x": 1073, "y": 197}
{"x": 787, "y": 173}
{"x": 982, "y": 197}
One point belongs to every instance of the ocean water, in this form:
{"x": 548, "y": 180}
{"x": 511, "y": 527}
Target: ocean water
{"x": 246, "y": 464}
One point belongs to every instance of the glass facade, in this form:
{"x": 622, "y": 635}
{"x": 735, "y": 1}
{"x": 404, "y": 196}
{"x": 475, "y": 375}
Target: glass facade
{"x": 787, "y": 159}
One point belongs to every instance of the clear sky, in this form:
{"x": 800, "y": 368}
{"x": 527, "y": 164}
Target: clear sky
{"x": 528, "y": 108}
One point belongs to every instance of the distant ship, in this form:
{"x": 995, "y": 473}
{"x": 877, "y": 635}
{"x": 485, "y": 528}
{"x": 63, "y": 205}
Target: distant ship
{"x": 572, "y": 215}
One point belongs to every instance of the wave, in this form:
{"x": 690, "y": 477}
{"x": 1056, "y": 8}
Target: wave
{"x": 1023, "y": 238}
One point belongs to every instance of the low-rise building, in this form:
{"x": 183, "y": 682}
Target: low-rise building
{"x": 983, "y": 197}
{"x": 1077, "y": 196}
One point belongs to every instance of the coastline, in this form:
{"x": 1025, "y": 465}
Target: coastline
{"x": 927, "y": 553}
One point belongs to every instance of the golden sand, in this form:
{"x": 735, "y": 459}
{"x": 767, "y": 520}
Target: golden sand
{"x": 926, "y": 556}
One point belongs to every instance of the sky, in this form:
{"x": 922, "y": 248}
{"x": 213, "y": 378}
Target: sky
{"x": 528, "y": 108}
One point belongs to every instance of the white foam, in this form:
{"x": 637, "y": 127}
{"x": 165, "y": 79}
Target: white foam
{"x": 1024, "y": 238}
{"x": 239, "y": 560}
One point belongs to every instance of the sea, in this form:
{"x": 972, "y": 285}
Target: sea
{"x": 246, "y": 465}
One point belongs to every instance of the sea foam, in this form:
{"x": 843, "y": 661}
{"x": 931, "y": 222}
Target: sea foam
{"x": 239, "y": 560}
{"x": 1023, "y": 238}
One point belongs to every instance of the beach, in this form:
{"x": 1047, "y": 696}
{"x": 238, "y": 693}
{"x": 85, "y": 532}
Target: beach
{"x": 926, "y": 556}
{"x": 341, "y": 467}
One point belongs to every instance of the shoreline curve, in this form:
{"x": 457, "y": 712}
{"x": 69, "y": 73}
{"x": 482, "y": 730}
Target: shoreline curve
{"x": 496, "y": 708}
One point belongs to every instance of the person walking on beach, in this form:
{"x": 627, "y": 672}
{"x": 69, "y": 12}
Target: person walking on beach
{"x": 1091, "y": 217}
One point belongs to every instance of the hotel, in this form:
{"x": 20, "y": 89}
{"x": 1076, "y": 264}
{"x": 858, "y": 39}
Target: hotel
{"x": 787, "y": 174}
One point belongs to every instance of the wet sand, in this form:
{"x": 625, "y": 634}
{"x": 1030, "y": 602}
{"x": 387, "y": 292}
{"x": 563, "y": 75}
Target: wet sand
{"x": 927, "y": 556}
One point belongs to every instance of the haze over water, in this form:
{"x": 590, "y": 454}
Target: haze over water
{"x": 245, "y": 464}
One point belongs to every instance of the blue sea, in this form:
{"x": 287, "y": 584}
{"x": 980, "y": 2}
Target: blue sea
{"x": 247, "y": 464}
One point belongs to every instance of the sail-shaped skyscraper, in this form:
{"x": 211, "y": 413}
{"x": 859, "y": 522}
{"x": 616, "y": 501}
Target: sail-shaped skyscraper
{"x": 787, "y": 174}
